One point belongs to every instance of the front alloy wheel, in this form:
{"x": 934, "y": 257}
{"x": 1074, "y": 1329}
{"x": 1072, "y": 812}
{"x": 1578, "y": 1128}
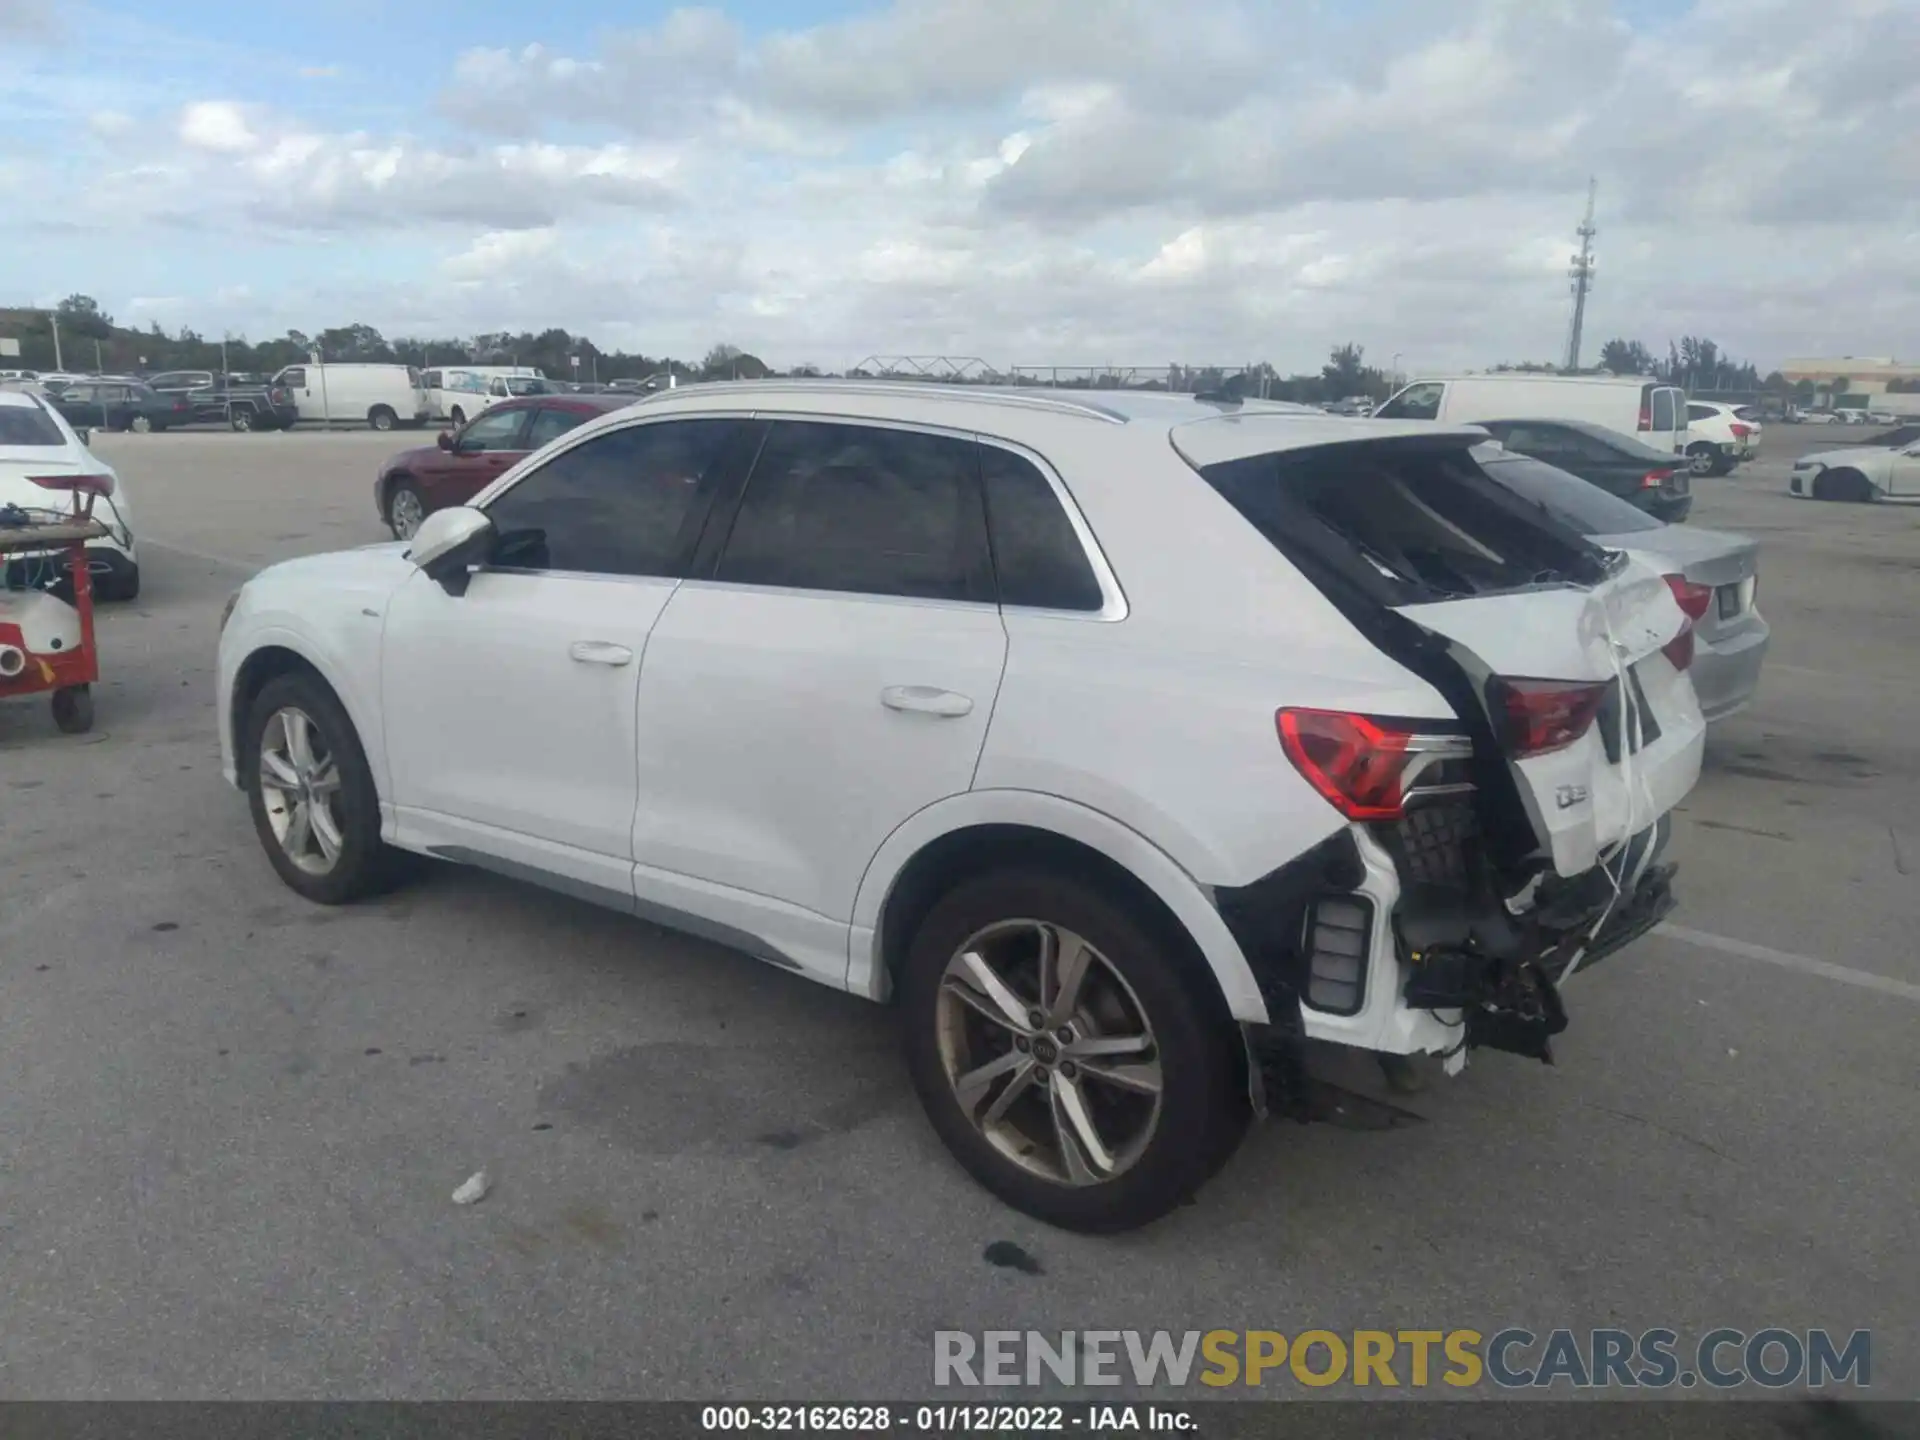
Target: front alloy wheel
{"x": 300, "y": 788}
{"x": 1049, "y": 1052}
{"x": 405, "y": 511}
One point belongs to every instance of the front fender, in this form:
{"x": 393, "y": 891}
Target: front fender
{"x": 355, "y": 678}
{"x": 1176, "y": 889}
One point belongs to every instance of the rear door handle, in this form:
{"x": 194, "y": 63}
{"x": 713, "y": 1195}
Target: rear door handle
{"x": 600, "y": 652}
{"x": 926, "y": 700}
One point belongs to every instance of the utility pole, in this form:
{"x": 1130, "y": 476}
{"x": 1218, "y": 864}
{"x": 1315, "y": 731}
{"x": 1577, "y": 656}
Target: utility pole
{"x": 1581, "y": 273}
{"x": 53, "y": 319}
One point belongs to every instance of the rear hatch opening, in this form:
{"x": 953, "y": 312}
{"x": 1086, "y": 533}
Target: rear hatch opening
{"x": 1525, "y": 840}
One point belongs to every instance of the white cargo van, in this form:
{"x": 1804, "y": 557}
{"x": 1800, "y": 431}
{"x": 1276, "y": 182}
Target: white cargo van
{"x": 381, "y": 395}
{"x": 1652, "y": 413}
{"x": 457, "y": 393}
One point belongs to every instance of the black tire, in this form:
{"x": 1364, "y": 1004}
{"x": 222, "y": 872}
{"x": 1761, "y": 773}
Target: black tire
{"x": 381, "y": 418}
{"x": 73, "y": 709}
{"x": 365, "y": 866}
{"x": 241, "y": 419}
{"x": 118, "y": 584}
{"x": 1201, "y": 1116}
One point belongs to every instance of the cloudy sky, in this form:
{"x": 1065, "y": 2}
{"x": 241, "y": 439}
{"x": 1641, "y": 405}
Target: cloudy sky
{"x": 1029, "y": 181}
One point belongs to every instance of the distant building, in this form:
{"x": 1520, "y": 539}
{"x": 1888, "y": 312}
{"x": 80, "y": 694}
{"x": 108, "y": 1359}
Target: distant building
{"x": 1873, "y": 382}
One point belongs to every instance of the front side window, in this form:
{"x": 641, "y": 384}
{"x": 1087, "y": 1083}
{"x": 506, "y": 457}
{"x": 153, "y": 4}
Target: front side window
{"x": 294, "y": 377}
{"x": 430, "y": 380}
{"x": 495, "y": 430}
{"x": 859, "y": 509}
{"x": 623, "y": 503}
{"x": 1416, "y": 402}
{"x": 1037, "y": 556}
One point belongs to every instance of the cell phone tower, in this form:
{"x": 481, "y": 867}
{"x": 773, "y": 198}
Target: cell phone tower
{"x": 1581, "y": 273}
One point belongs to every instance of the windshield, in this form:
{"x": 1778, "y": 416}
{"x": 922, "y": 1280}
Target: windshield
{"x": 28, "y": 425}
{"x": 1569, "y": 499}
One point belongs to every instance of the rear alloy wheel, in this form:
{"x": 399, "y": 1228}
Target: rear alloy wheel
{"x": 140, "y": 424}
{"x": 1703, "y": 460}
{"x": 406, "y": 508}
{"x": 1065, "y": 1052}
{"x": 311, "y": 792}
{"x": 381, "y": 418}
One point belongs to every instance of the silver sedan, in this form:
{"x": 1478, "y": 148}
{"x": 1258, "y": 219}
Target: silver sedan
{"x": 1714, "y": 573}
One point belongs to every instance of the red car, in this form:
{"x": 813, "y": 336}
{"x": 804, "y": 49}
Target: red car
{"x": 415, "y": 483}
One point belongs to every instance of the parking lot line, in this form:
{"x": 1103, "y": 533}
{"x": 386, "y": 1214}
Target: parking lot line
{"x": 1805, "y": 964}
{"x": 239, "y": 567}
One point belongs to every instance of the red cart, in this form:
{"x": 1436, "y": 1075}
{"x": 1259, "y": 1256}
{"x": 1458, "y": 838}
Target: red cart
{"x": 46, "y": 644}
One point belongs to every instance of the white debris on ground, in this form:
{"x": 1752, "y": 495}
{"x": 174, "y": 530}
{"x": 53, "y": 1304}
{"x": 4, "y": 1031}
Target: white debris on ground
{"x": 474, "y": 1190}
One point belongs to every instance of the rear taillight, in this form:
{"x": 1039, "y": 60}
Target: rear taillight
{"x": 1646, "y": 418}
{"x": 1740, "y": 432}
{"x": 1654, "y": 479}
{"x": 1693, "y": 599}
{"x": 91, "y": 484}
{"x": 1368, "y": 768}
{"x": 1538, "y": 717}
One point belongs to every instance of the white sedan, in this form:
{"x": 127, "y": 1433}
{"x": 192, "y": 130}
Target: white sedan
{"x": 1886, "y": 469}
{"x": 35, "y": 440}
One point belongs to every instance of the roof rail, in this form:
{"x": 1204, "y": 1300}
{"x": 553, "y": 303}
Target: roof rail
{"x": 919, "y": 390}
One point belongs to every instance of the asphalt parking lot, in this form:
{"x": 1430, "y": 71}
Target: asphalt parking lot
{"x": 230, "y": 1122}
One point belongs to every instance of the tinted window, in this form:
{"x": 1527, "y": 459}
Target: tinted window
{"x": 1555, "y": 442}
{"x": 1899, "y": 439}
{"x": 1569, "y": 499}
{"x": 28, "y": 425}
{"x": 430, "y": 379}
{"x": 1663, "y": 416}
{"x": 617, "y": 505}
{"x": 495, "y": 430}
{"x": 1037, "y": 558}
{"x": 1700, "y": 412}
{"x": 1416, "y": 402}
{"x": 853, "y": 508}
{"x": 551, "y": 424}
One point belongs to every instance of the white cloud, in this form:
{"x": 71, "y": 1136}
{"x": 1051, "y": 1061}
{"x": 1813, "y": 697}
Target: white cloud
{"x": 217, "y": 125}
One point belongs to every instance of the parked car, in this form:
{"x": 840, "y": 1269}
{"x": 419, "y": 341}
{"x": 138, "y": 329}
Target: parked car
{"x": 246, "y": 402}
{"x": 381, "y": 395}
{"x": 1298, "y": 748}
{"x": 1862, "y": 473}
{"x": 415, "y": 483}
{"x": 1720, "y": 436}
{"x": 37, "y": 440}
{"x": 1713, "y": 574}
{"x": 1639, "y": 474}
{"x": 1820, "y": 417}
{"x": 120, "y": 405}
{"x": 1656, "y": 414}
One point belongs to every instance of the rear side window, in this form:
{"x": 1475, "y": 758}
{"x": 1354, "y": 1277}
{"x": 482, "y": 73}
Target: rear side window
{"x": 549, "y": 424}
{"x": 862, "y": 510}
{"x": 1037, "y": 558}
{"x": 1663, "y": 410}
{"x": 1700, "y": 412}
{"x": 28, "y": 425}
{"x": 624, "y": 503}
{"x": 1416, "y": 402}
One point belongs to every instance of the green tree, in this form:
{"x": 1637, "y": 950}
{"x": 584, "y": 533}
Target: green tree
{"x": 1347, "y": 373}
{"x": 82, "y": 315}
{"x": 1626, "y": 357}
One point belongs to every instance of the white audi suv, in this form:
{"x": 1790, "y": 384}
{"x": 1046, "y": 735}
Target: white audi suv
{"x": 1124, "y": 743}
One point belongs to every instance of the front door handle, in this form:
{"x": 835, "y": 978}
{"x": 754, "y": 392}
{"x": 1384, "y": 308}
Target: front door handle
{"x": 600, "y": 652}
{"x": 926, "y": 700}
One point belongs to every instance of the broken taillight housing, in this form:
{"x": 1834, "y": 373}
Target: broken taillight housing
{"x": 1369, "y": 768}
{"x": 1537, "y": 717}
{"x": 1694, "y": 600}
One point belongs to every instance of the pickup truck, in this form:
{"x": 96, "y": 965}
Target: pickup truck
{"x": 244, "y": 402}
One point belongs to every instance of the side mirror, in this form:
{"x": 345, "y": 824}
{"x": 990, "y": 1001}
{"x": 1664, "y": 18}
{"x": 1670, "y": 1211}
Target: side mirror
{"x": 445, "y": 441}
{"x": 449, "y": 543}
